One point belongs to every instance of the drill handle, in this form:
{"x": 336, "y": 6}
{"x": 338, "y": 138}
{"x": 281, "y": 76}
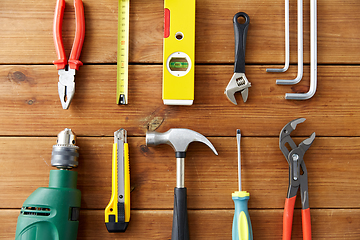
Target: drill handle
{"x": 180, "y": 228}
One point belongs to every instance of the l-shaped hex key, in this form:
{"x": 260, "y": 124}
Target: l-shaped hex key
{"x": 300, "y": 48}
{"x": 313, "y": 62}
{"x": 287, "y": 43}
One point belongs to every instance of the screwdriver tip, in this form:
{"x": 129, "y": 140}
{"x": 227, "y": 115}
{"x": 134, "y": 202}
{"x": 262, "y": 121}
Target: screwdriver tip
{"x": 238, "y": 131}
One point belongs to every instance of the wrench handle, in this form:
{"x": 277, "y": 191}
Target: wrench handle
{"x": 240, "y": 31}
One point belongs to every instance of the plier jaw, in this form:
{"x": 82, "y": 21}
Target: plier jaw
{"x": 295, "y": 159}
{"x": 66, "y": 86}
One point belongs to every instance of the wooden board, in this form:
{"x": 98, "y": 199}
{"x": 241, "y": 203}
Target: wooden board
{"x": 31, "y": 116}
{"x": 267, "y": 224}
{"x": 153, "y": 172}
{"x": 26, "y": 31}
{"x": 30, "y": 104}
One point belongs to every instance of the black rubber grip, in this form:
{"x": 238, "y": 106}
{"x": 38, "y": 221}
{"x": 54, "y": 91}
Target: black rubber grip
{"x": 180, "y": 228}
{"x": 240, "y": 31}
{"x": 119, "y": 226}
{"x": 113, "y": 227}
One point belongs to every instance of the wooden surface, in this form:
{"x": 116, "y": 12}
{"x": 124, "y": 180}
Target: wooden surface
{"x": 31, "y": 116}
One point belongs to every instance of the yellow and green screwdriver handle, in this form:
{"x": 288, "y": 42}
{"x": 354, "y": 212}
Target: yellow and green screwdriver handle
{"x": 241, "y": 229}
{"x": 117, "y": 212}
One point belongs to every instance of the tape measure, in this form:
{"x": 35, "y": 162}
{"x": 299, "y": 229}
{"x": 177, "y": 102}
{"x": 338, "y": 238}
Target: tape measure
{"x": 123, "y": 53}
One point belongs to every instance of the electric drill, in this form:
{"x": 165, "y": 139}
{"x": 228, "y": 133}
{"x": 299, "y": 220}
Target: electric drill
{"x": 52, "y": 213}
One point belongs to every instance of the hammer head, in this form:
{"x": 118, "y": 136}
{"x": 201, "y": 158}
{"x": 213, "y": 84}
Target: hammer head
{"x": 178, "y": 138}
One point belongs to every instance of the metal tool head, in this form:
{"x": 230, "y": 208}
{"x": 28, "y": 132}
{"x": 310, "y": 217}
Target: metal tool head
{"x": 66, "y": 86}
{"x": 120, "y": 135}
{"x": 178, "y": 138}
{"x": 286, "y": 138}
{"x": 305, "y": 145}
{"x": 65, "y": 152}
{"x": 238, "y": 83}
{"x": 289, "y": 127}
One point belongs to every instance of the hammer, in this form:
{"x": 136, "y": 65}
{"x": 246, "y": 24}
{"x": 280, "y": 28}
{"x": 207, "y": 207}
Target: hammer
{"x": 179, "y": 139}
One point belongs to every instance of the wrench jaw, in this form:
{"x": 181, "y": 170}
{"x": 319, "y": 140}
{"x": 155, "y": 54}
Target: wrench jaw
{"x": 238, "y": 83}
{"x": 245, "y": 94}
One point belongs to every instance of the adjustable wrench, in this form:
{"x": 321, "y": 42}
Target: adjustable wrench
{"x": 239, "y": 82}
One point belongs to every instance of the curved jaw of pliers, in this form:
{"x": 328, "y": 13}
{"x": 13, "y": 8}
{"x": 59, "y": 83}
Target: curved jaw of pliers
{"x": 304, "y": 145}
{"x": 286, "y": 138}
{"x": 238, "y": 83}
{"x": 66, "y": 86}
{"x": 289, "y": 127}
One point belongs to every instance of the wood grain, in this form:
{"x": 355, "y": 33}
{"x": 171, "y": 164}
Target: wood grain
{"x": 211, "y": 224}
{"x": 332, "y": 178}
{"x": 31, "y": 116}
{"x": 26, "y": 31}
{"x": 30, "y": 105}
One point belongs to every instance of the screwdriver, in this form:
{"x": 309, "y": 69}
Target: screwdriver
{"x": 241, "y": 229}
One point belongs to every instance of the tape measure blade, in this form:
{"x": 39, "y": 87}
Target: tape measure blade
{"x": 123, "y": 52}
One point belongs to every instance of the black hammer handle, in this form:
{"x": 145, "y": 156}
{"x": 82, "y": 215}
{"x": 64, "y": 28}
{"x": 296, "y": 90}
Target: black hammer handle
{"x": 180, "y": 228}
{"x": 240, "y": 31}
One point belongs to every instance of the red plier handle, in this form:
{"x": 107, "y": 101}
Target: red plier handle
{"x": 288, "y": 219}
{"x": 74, "y": 61}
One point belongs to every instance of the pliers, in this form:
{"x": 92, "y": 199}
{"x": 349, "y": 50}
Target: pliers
{"x": 295, "y": 159}
{"x": 67, "y": 69}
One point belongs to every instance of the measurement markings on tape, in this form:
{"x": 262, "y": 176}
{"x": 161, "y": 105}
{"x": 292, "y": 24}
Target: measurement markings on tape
{"x": 123, "y": 53}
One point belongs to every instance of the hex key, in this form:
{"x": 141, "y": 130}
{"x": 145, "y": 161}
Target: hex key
{"x": 313, "y": 63}
{"x": 300, "y": 49}
{"x": 287, "y": 43}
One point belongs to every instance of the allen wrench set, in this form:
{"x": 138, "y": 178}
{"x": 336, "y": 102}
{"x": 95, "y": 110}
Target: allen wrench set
{"x": 313, "y": 51}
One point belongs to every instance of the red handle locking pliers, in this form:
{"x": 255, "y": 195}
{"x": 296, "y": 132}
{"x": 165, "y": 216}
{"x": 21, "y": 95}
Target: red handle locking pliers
{"x": 295, "y": 159}
{"x": 66, "y": 85}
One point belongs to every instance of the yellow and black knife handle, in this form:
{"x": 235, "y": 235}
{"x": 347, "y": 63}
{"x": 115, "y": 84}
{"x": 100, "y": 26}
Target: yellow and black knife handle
{"x": 117, "y": 215}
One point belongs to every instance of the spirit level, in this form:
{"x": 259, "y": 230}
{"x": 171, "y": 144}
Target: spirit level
{"x": 179, "y": 52}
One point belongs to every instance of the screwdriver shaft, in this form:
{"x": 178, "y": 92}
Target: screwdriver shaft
{"x": 241, "y": 228}
{"x": 238, "y": 137}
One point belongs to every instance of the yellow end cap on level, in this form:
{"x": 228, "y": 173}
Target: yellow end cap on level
{"x": 240, "y": 194}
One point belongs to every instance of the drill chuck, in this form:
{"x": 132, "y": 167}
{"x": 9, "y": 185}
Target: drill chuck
{"x": 65, "y": 152}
